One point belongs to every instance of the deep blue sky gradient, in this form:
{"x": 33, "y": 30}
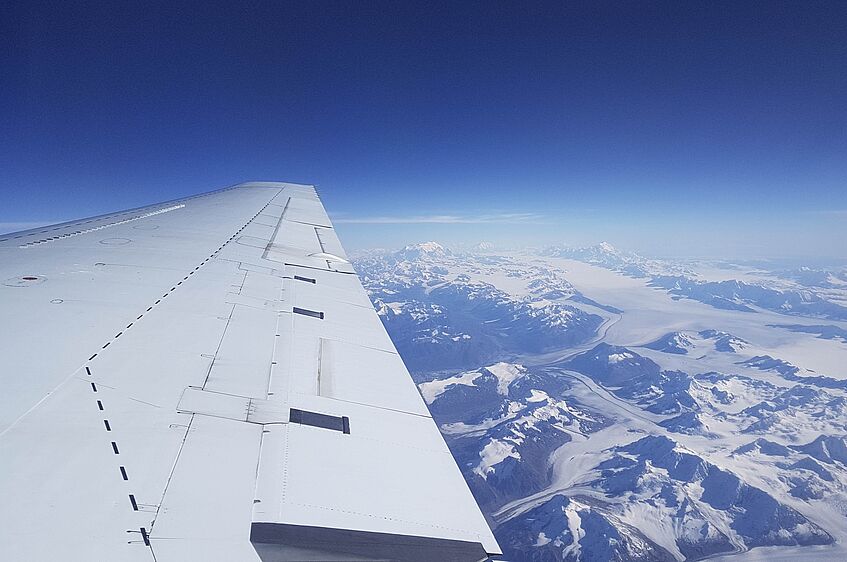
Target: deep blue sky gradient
{"x": 681, "y": 128}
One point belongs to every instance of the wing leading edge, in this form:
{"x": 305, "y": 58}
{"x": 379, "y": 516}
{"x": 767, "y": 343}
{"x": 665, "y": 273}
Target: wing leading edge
{"x": 206, "y": 379}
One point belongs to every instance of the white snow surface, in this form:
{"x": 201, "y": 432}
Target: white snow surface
{"x": 433, "y": 389}
{"x": 505, "y": 373}
{"x": 495, "y": 452}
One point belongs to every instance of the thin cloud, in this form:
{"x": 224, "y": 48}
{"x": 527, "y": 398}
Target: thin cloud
{"x": 496, "y": 218}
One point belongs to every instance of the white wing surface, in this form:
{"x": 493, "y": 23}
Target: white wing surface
{"x": 206, "y": 379}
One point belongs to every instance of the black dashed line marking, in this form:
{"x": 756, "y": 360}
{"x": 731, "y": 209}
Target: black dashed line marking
{"x": 133, "y": 502}
{"x": 115, "y": 448}
{"x": 145, "y": 537}
{"x": 88, "y": 370}
{"x": 123, "y": 473}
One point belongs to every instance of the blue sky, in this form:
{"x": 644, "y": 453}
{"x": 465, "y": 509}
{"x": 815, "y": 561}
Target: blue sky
{"x": 682, "y": 128}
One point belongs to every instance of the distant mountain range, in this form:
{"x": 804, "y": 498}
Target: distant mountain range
{"x": 441, "y": 314}
{"x": 733, "y": 294}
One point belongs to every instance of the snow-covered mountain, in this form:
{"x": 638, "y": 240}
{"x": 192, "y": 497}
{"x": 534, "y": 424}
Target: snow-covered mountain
{"x": 684, "y": 342}
{"x": 446, "y": 310}
{"x": 502, "y": 422}
{"x": 597, "y": 415}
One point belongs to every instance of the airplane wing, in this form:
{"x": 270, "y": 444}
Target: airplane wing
{"x": 206, "y": 379}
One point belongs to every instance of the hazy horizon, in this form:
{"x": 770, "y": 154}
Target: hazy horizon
{"x": 527, "y": 230}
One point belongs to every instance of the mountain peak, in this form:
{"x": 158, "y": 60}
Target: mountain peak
{"x": 427, "y": 248}
{"x": 433, "y": 247}
{"x": 424, "y": 249}
{"x": 483, "y": 247}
